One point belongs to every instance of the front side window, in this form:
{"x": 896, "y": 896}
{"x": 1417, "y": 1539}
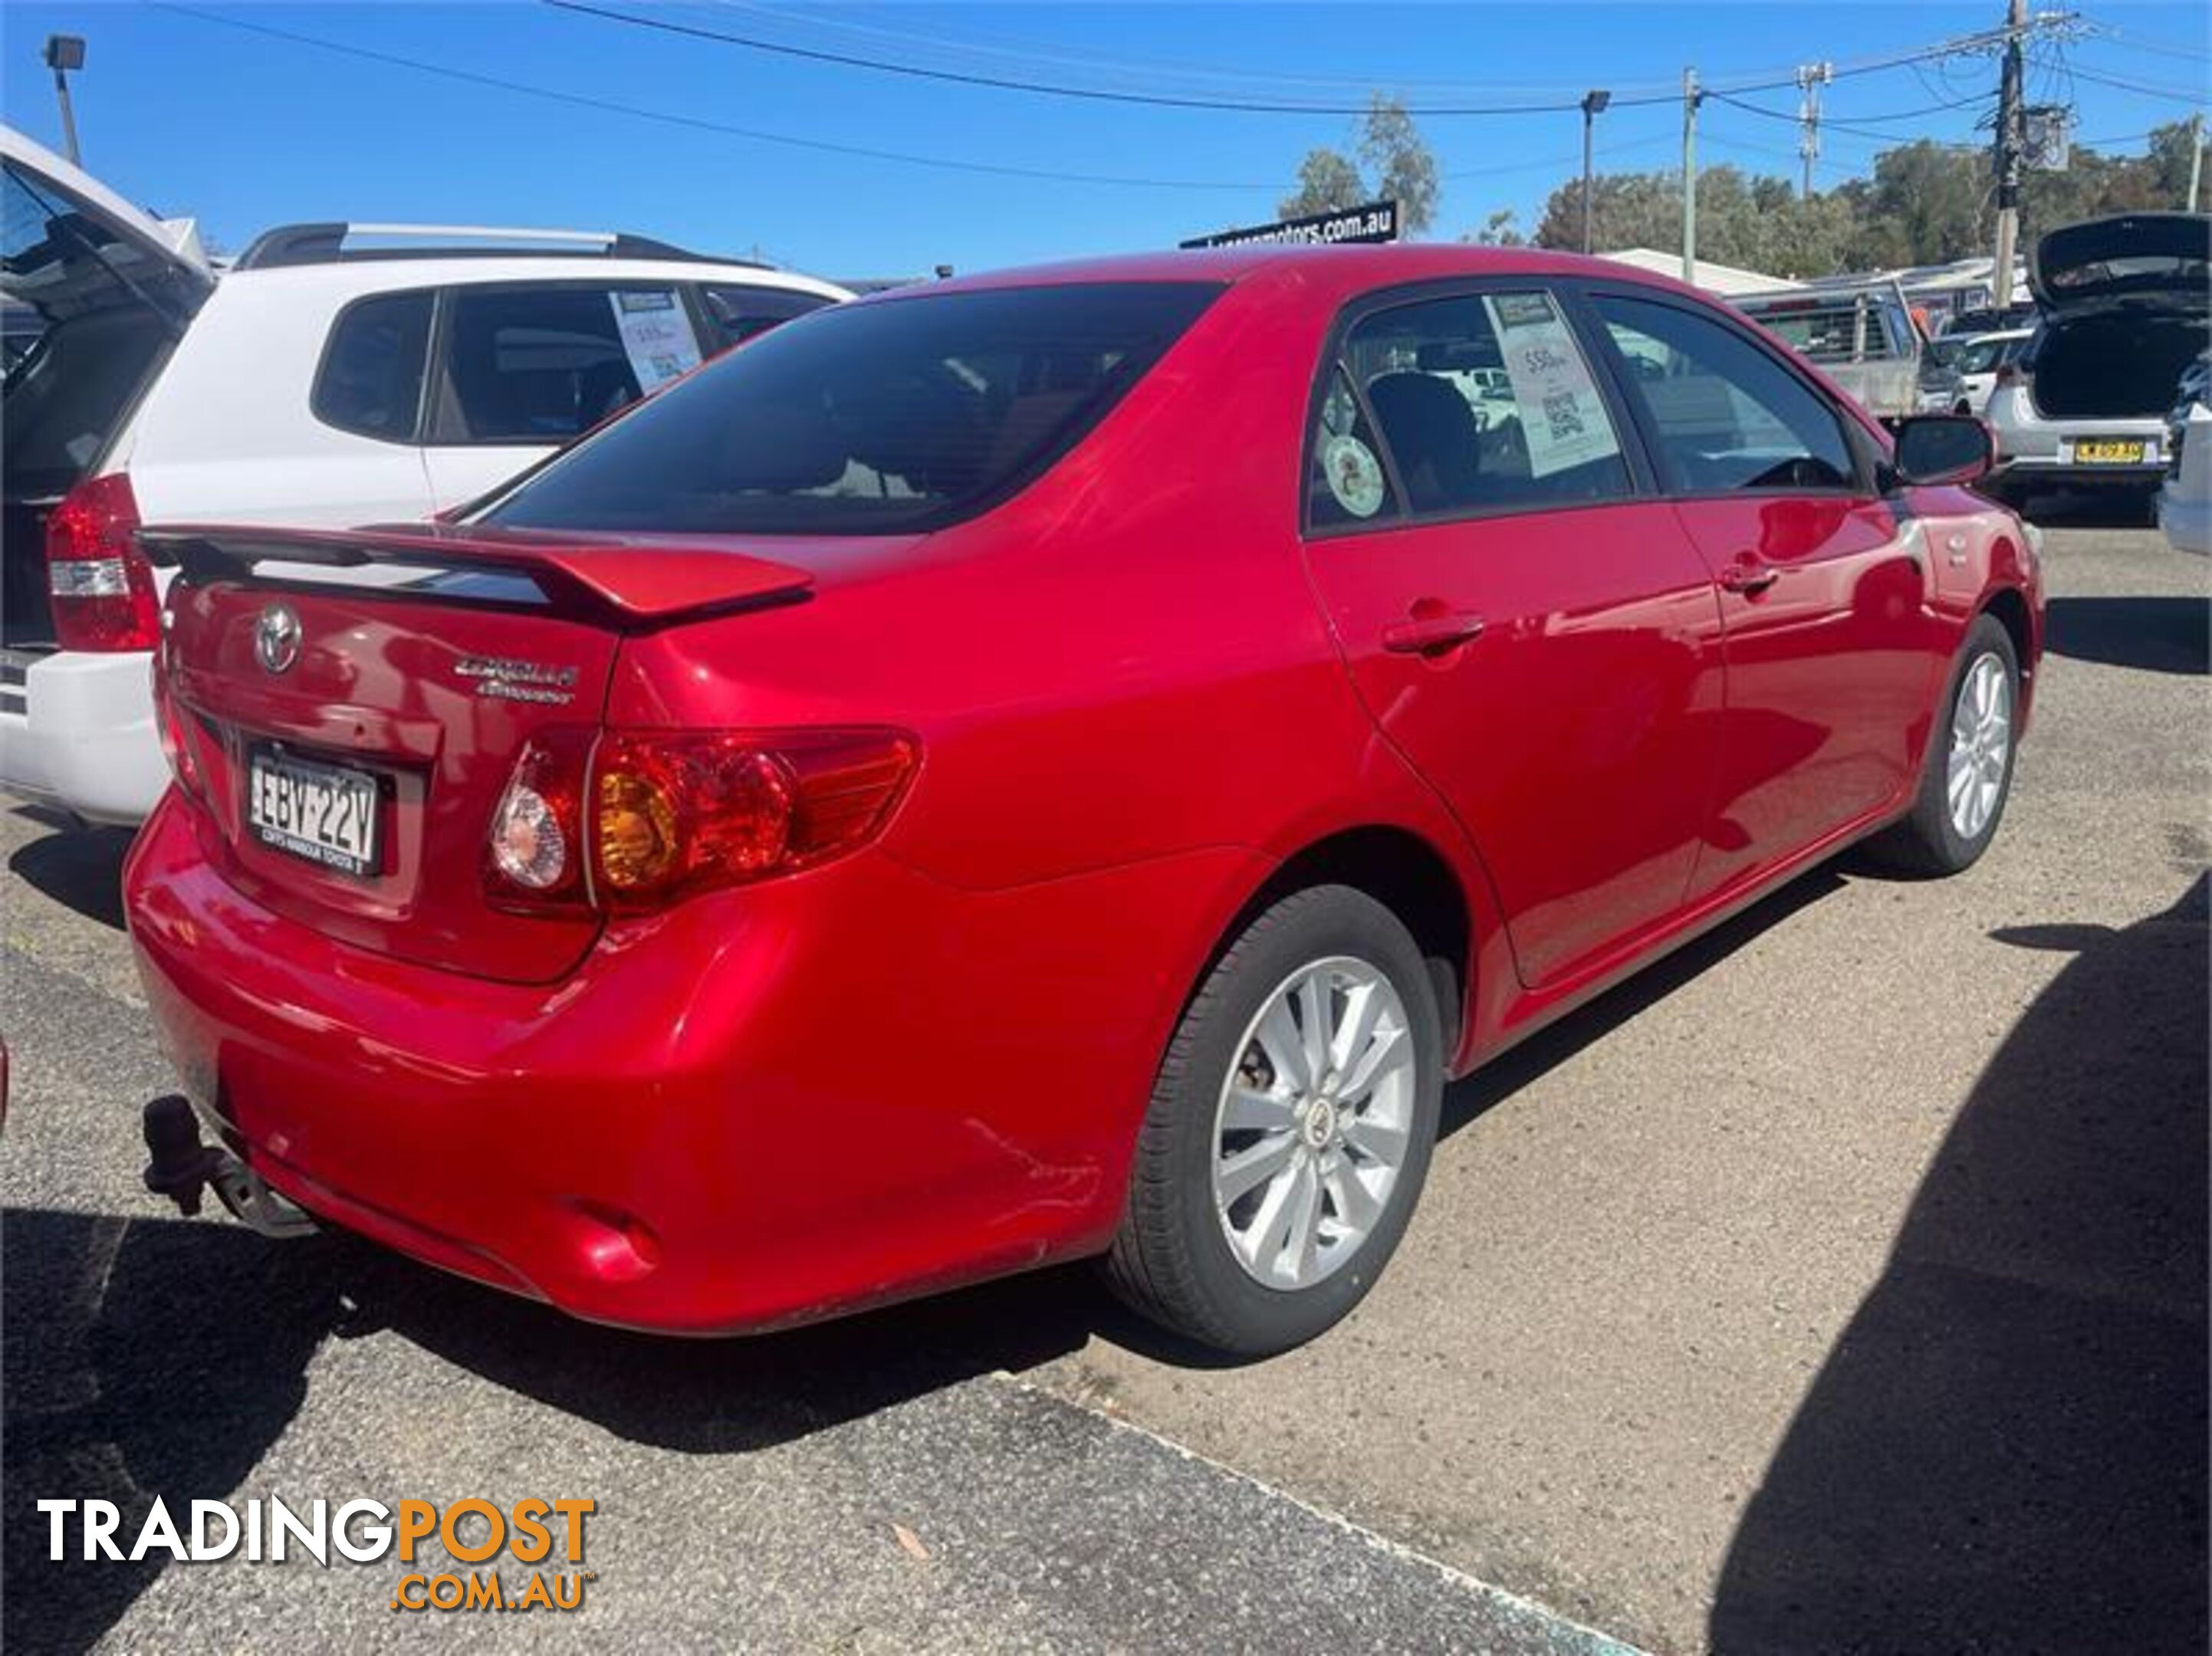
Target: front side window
{"x": 371, "y": 378}
{"x": 1727, "y": 415}
{"x": 1486, "y": 403}
{"x": 890, "y": 416}
{"x": 542, "y": 364}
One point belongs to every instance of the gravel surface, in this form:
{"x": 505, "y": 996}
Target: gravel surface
{"x": 1839, "y": 1284}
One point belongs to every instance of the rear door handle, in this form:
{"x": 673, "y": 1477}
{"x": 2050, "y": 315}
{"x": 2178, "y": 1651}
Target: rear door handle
{"x": 1432, "y": 635}
{"x": 1749, "y": 575}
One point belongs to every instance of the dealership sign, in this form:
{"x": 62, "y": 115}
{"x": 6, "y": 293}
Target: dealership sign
{"x": 1374, "y": 221}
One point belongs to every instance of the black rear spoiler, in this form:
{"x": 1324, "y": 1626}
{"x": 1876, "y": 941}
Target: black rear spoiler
{"x": 628, "y": 585}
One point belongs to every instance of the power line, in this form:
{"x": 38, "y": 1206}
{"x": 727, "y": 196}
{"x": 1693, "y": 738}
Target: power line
{"x": 1152, "y": 69}
{"x": 1173, "y": 100}
{"x": 700, "y": 124}
{"x": 2115, "y": 37}
{"x": 2179, "y": 94}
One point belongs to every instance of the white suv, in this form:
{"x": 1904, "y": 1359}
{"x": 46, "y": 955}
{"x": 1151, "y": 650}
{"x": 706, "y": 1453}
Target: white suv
{"x": 335, "y": 375}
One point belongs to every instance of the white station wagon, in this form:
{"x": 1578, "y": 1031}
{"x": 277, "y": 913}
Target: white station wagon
{"x": 337, "y": 375}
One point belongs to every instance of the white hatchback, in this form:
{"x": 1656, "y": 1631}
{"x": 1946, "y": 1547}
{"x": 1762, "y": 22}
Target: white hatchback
{"x": 2123, "y": 307}
{"x": 337, "y": 375}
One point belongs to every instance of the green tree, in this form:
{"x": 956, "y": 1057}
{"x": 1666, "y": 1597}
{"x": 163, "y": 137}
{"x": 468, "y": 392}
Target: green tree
{"x": 1501, "y": 229}
{"x": 1398, "y": 167}
{"x": 1400, "y": 163}
{"x": 1328, "y": 183}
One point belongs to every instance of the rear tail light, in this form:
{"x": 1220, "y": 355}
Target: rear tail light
{"x": 534, "y": 855}
{"x": 671, "y": 814}
{"x": 2011, "y": 374}
{"x": 101, "y": 585}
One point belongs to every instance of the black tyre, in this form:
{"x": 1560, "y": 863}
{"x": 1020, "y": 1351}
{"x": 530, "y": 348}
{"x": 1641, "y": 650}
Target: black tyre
{"x": 1289, "y": 1129}
{"x": 1967, "y": 775}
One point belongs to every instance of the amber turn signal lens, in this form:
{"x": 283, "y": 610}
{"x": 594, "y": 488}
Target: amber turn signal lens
{"x": 637, "y": 832}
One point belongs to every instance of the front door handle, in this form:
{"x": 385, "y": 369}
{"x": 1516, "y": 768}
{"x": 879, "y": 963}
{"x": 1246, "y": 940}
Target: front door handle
{"x": 1432, "y": 635}
{"x": 1749, "y": 576}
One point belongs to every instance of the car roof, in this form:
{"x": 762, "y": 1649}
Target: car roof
{"x": 347, "y": 279}
{"x": 1343, "y": 268}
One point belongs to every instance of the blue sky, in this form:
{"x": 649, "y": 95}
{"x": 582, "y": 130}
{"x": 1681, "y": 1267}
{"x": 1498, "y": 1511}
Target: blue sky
{"x": 245, "y": 130}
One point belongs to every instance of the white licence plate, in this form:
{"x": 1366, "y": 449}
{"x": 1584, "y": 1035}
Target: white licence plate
{"x": 326, "y": 813}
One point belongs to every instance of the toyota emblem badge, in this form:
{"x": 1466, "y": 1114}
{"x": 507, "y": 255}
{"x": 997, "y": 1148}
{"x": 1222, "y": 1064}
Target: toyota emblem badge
{"x": 276, "y": 638}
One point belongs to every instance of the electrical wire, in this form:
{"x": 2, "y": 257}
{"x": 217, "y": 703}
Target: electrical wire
{"x": 1171, "y": 100}
{"x": 700, "y": 124}
{"x": 2144, "y": 89}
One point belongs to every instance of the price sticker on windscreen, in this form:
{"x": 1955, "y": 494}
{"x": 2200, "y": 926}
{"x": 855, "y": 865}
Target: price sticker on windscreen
{"x": 1562, "y": 416}
{"x": 656, "y": 335}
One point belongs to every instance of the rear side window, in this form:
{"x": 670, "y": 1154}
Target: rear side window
{"x": 1485, "y": 403}
{"x": 371, "y": 378}
{"x": 740, "y": 311}
{"x": 894, "y": 415}
{"x": 1727, "y": 415}
{"x": 541, "y": 364}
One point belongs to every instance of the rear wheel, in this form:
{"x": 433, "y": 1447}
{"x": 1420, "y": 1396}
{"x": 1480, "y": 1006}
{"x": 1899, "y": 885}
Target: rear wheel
{"x": 1289, "y": 1129}
{"x": 1968, "y": 775}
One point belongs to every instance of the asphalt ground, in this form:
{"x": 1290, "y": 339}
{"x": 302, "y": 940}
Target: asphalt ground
{"x": 1839, "y": 1284}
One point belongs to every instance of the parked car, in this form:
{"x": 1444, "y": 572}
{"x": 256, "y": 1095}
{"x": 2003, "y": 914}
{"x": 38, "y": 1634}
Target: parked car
{"x": 1987, "y": 319}
{"x": 1042, "y": 765}
{"x": 2126, "y": 304}
{"x": 1980, "y": 359}
{"x": 2184, "y": 500}
{"x": 1942, "y": 388}
{"x": 337, "y": 374}
{"x": 1864, "y": 340}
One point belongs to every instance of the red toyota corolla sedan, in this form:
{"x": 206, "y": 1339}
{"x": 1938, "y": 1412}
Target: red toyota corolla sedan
{"x": 1063, "y": 763}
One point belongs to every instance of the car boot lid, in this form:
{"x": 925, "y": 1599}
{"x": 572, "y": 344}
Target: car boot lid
{"x": 2163, "y": 255}
{"x": 173, "y": 247}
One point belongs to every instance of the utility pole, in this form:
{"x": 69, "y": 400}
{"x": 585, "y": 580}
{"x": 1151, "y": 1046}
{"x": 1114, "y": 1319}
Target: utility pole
{"x": 2009, "y": 145}
{"x": 1811, "y": 77}
{"x": 1594, "y": 104}
{"x": 2196, "y": 155}
{"x": 65, "y": 52}
{"x": 1690, "y": 97}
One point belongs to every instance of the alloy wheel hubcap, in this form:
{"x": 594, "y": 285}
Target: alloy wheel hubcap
{"x": 1981, "y": 744}
{"x": 1311, "y": 1130}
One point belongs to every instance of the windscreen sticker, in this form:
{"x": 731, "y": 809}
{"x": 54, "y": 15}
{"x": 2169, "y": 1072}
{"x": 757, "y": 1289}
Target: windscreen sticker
{"x": 1355, "y": 475}
{"x": 1562, "y": 416}
{"x": 656, "y": 334}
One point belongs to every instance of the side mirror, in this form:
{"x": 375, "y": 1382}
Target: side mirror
{"x": 1943, "y": 448}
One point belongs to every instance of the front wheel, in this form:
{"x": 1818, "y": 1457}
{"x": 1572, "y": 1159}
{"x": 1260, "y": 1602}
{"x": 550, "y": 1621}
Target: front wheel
{"x": 1968, "y": 775}
{"x": 1289, "y": 1129}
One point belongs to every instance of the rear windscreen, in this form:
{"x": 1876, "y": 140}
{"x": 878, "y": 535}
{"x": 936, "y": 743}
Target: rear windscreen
{"x": 106, "y": 312}
{"x": 899, "y": 416}
{"x": 1829, "y": 334}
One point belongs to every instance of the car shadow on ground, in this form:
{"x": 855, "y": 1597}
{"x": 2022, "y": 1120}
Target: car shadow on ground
{"x": 2089, "y": 508}
{"x": 2006, "y": 1448}
{"x": 80, "y": 868}
{"x": 124, "y": 1382}
{"x": 2154, "y": 635}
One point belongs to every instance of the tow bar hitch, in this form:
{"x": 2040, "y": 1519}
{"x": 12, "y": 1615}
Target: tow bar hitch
{"x": 182, "y": 1167}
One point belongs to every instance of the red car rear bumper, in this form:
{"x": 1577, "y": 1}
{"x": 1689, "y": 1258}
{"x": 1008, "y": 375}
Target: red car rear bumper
{"x": 785, "y": 1102}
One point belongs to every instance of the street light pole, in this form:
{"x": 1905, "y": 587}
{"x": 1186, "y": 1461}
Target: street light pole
{"x": 1594, "y": 104}
{"x": 64, "y": 53}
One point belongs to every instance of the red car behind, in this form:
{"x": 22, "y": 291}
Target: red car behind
{"x": 1059, "y": 763}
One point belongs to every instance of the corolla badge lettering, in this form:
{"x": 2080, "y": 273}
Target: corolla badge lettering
{"x": 276, "y": 638}
{"x": 511, "y": 680}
